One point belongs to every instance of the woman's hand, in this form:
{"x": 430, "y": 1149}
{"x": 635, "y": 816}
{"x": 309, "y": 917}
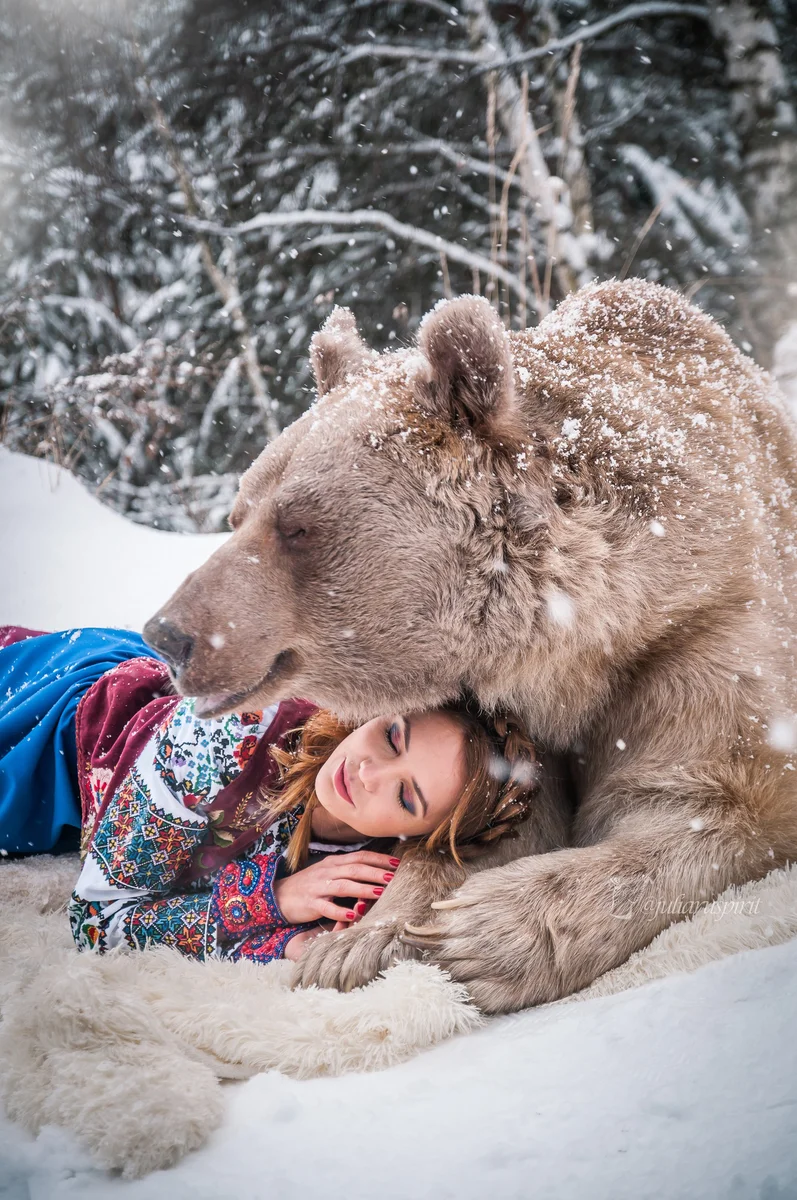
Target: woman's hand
{"x": 309, "y": 894}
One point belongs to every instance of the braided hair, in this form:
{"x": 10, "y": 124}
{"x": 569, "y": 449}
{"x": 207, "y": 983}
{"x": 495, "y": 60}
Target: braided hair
{"x": 501, "y": 779}
{"x": 501, "y": 775}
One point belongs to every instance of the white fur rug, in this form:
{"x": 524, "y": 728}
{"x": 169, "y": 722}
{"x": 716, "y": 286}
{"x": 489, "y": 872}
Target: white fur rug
{"x": 127, "y": 1051}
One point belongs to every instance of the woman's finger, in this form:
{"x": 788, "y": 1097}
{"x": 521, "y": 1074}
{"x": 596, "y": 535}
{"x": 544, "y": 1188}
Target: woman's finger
{"x": 367, "y": 857}
{"x": 351, "y": 888}
{"x": 360, "y": 873}
{"x": 335, "y": 913}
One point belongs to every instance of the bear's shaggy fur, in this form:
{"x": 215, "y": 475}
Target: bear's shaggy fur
{"x": 590, "y": 523}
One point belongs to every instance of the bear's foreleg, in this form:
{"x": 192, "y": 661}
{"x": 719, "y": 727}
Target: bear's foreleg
{"x": 543, "y": 927}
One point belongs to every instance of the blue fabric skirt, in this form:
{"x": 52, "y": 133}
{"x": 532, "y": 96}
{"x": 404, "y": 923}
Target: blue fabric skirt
{"x": 42, "y": 681}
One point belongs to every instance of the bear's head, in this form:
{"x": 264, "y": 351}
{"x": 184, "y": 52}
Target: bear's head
{"x": 369, "y": 568}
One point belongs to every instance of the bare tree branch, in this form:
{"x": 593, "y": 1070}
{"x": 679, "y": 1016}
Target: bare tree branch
{"x": 633, "y": 12}
{"x": 94, "y": 310}
{"x": 504, "y": 207}
{"x": 401, "y": 53}
{"x": 459, "y": 157}
{"x": 643, "y": 233}
{"x": 354, "y": 219}
{"x": 572, "y": 168}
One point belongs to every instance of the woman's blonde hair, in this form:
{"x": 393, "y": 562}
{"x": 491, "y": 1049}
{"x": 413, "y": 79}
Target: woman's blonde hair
{"x": 500, "y": 773}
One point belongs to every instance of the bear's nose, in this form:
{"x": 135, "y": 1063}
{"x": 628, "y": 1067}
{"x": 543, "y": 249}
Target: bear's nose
{"x": 174, "y": 645}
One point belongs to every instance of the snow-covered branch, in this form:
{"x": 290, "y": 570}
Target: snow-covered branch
{"x": 702, "y": 215}
{"x": 586, "y": 32}
{"x": 401, "y": 53}
{"x": 415, "y": 145}
{"x": 762, "y": 107}
{"x": 93, "y": 310}
{"x": 356, "y": 219}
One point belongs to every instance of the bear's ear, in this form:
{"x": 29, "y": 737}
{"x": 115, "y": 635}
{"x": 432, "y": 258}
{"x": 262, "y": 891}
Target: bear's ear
{"x": 472, "y": 378}
{"x": 337, "y": 351}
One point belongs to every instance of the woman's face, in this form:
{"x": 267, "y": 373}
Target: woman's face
{"x": 396, "y": 776}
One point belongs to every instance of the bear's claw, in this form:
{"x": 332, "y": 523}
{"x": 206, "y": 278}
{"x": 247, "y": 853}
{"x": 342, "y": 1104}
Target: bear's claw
{"x": 352, "y": 958}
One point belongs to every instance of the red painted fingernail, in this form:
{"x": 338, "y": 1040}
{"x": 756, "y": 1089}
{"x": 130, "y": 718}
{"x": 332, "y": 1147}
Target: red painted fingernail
{"x": 378, "y": 891}
{"x": 388, "y": 877}
{"x": 360, "y": 906}
{"x": 350, "y": 916}
{"x": 394, "y": 862}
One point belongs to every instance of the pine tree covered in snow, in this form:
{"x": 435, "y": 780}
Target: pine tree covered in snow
{"x": 189, "y": 186}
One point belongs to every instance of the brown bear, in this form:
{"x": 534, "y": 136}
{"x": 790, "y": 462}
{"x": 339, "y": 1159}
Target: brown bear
{"x": 590, "y": 524}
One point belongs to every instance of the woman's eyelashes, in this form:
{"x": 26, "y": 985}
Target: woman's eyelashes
{"x": 402, "y": 798}
{"x": 393, "y": 735}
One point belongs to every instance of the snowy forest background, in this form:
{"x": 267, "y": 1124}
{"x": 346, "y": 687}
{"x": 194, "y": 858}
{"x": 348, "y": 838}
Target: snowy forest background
{"x": 188, "y": 186}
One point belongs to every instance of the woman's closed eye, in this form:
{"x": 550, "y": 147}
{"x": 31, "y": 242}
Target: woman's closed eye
{"x": 393, "y": 736}
{"x": 404, "y": 800}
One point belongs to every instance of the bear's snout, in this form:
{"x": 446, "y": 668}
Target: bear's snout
{"x": 169, "y": 642}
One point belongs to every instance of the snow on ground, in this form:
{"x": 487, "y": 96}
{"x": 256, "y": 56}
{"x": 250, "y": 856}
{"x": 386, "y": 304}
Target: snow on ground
{"x": 683, "y": 1089}
{"x": 67, "y": 560}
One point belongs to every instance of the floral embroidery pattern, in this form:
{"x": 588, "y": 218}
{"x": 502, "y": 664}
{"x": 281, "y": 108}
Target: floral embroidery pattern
{"x": 183, "y": 922}
{"x": 87, "y": 924}
{"x": 264, "y": 947}
{"x": 244, "y": 750}
{"x": 197, "y": 758}
{"x": 140, "y": 845}
{"x": 243, "y": 896}
{"x": 98, "y": 779}
{"x": 275, "y": 839}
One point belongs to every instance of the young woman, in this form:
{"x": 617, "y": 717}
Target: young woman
{"x": 241, "y": 836}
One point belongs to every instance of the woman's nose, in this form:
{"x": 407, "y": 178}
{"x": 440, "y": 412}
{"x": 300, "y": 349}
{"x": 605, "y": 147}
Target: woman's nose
{"x": 372, "y": 774}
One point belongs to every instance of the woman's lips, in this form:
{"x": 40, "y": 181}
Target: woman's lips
{"x": 342, "y": 784}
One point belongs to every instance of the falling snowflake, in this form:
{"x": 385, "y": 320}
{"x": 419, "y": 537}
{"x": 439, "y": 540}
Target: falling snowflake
{"x": 561, "y": 609}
